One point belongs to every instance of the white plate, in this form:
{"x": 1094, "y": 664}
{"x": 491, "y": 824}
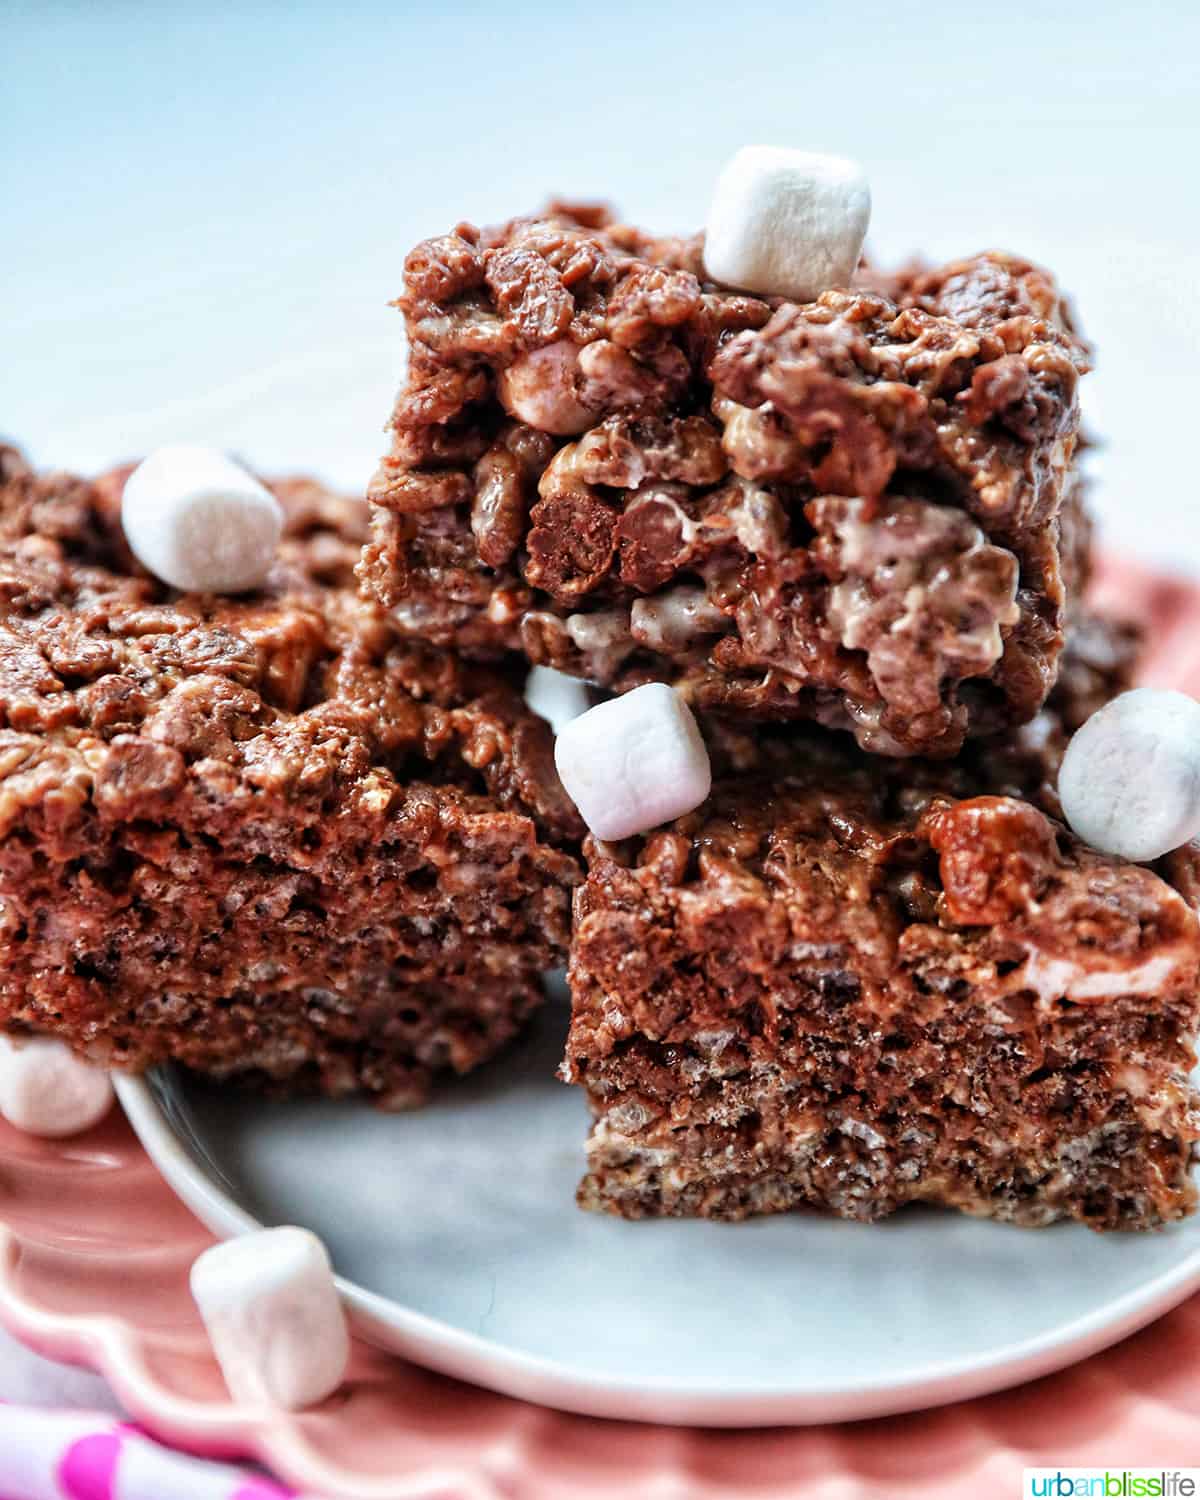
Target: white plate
{"x": 460, "y": 1245}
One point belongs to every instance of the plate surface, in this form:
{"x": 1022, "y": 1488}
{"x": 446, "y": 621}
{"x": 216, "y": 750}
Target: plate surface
{"x": 456, "y": 1232}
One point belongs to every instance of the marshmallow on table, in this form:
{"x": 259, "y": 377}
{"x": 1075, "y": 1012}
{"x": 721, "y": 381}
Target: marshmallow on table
{"x": 787, "y": 223}
{"x": 634, "y": 762}
{"x": 199, "y": 522}
{"x": 1130, "y": 780}
{"x": 273, "y": 1317}
{"x": 46, "y": 1090}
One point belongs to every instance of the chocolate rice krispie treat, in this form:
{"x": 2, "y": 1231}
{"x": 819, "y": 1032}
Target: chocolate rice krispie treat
{"x": 259, "y": 835}
{"x": 851, "y": 510}
{"x": 854, "y": 983}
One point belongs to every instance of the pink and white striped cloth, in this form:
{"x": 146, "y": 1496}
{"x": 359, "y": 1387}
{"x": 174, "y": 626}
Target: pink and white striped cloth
{"x": 50, "y": 1455}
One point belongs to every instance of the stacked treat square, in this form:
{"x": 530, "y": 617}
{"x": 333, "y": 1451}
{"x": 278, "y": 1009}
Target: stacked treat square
{"x": 821, "y": 552}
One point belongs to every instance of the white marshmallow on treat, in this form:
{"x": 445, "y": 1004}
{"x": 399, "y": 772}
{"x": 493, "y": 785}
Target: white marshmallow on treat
{"x": 199, "y": 522}
{"x": 273, "y": 1316}
{"x": 787, "y": 223}
{"x": 634, "y": 762}
{"x": 540, "y": 389}
{"x": 1130, "y": 780}
{"x": 45, "y": 1089}
{"x": 556, "y": 697}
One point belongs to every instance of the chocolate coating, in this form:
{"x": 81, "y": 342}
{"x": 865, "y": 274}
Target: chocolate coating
{"x": 874, "y": 492}
{"x": 853, "y": 983}
{"x": 260, "y": 835}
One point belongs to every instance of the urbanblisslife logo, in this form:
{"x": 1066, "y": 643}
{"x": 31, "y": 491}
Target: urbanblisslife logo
{"x": 1113, "y": 1484}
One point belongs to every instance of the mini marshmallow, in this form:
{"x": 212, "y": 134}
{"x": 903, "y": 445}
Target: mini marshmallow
{"x": 556, "y": 697}
{"x": 541, "y": 389}
{"x": 199, "y": 522}
{"x": 634, "y": 762}
{"x": 787, "y": 223}
{"x": 273, "y": 1316}
{"x": 46, "y": 1090}
{"x": 1130, "y": 780}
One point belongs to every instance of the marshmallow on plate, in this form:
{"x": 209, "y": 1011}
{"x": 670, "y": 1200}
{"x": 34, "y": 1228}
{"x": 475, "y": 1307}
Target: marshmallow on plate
{"x": 1130, "y": 780}
{"x": 273, "y": 1317}
{"x": 46, "y": 1090}
{"x": 787, "y": 223}
{"x": 634, "y": 762}
{"x": 199, "y": 522}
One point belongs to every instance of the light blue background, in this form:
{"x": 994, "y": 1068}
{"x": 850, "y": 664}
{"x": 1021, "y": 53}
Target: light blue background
{"x": 206, "y": 208}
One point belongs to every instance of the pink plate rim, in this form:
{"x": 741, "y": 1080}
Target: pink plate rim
{"x": 399, "y": 1432}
